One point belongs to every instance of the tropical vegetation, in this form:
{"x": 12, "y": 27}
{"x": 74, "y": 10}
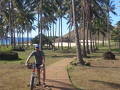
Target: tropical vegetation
{"x": 87, "y": 17}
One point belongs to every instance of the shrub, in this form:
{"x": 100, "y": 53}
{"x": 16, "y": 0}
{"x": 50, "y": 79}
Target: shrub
{"x": 88, "y": 64}
{"x": 109, "y": 56}
{"x": 8, "y": 56}
{"x": 45, "y": 40}
{"x": 18, "y": 49}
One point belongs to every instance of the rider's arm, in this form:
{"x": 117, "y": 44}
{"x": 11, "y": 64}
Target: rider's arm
{"x": 29, "y": 58}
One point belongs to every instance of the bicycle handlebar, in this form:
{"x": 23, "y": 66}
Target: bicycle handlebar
{"x": 31, "y": 65}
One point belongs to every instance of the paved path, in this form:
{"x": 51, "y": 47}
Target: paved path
{"x": 57, "y": 77}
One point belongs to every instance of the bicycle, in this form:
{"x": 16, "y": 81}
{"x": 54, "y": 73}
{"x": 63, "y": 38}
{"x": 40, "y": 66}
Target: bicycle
{"x": 33, "y": 81}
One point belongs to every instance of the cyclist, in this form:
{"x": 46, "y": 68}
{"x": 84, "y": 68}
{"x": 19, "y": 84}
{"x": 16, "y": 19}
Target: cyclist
{"x": 39, "y": 60}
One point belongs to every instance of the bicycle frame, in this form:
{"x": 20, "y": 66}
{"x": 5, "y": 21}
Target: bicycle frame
{"x": 33, "y": 69}
{"x": 33, "y": 76}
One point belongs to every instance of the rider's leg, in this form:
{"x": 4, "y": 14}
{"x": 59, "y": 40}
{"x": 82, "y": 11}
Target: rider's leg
{"x": 44, "y": 75}
{"x": 38, "y": 74}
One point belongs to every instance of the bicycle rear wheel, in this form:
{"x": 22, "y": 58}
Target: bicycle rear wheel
{"x": 32, "y": 83}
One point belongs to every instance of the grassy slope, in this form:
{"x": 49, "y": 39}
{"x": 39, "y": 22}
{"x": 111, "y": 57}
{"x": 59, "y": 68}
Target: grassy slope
{"x": 102, "y": 75}
{"x": 15, "y": 76}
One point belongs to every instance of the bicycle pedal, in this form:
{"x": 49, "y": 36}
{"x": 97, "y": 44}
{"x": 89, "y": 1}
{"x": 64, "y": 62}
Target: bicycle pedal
{"x": 38, "y": 84}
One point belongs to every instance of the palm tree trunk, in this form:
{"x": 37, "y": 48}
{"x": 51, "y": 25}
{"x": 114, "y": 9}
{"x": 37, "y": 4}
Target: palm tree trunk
{"x": 48, "y": 37}
{"x": 109, "y": 42}
{"x": 55, "y": 30}
{"x": 84, "y": 46}
{"x": 40, "y": 27}
{"x": 14, "y": 40}
{"x": 98, "y": 38}
{"x": 87, "y": 40}
{"x": 78, "y": 49}
{"x": 19, "y": 38}
{"x": 103, "y": 41}
{"x": 27, "y": 38}
{"x": 88, "y": 17}
{"x": 119, "y": 45}
{"x": 108, "y": 31}
{"x": 39, "y": 24}
{"x": 69, "y": 42}
{"x": 22, "y": 38}
{"x": 6, "y": 39}
{"x": 53, "y": 37}
{"x": 70, "y": 36}
{"x": 10, "y": 22}
{"x": 41, "y": 36}
{"x": 61, "y": 35}
{"x": 50, "y": 34}
{"x": 96, "y": 43}
{"x": 91, "y": 48}
{"x": 55, "y": 34}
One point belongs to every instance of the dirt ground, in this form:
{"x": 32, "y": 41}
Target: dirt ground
{"x": 102, "y": 75}
{"x": 17, "y": 76}
{"x": 14, "y": 77}
{"x": 57, "y": 77}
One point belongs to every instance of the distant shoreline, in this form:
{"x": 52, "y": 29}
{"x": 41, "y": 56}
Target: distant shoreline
{"x": 3, "y": 41}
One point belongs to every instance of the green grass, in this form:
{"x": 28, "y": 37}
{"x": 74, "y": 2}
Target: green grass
{"x": 51, "y": 56}
{"x": 5, "y": 49}
{"x": 116, "y": 50}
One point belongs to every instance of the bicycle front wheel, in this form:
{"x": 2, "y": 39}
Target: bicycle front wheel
{"x": 32, "y": 83}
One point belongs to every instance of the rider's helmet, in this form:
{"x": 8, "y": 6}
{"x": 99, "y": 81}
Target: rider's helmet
{"x": 37, "y": 46}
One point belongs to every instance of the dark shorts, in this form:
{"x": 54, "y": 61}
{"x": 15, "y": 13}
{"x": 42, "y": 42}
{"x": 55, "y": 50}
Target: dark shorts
{"x": 38, "y": 66}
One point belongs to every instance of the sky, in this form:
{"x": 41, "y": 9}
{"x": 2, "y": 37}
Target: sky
{"x": 114, "y": 18}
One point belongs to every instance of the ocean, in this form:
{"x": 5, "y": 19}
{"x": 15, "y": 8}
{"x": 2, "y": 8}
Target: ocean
{"x": 4, "y": 42}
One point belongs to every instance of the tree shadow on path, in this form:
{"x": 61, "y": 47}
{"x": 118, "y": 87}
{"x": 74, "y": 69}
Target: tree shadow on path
{"x": 111, "y": 84}
{"x": 55, "y": 84}
{"x": 59, "y": 85}
{"x": 104, "y": 67}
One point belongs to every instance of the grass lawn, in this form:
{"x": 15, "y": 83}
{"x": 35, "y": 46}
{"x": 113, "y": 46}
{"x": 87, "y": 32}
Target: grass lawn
{"x": 15, "y": 76}
{"x": 102, "y": 75}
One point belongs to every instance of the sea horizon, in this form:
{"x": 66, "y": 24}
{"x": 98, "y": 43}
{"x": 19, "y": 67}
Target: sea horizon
{"x": 8, "y": 40}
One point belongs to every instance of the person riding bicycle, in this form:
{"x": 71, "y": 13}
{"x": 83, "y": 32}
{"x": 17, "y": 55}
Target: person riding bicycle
{"x": 39, "y": 60}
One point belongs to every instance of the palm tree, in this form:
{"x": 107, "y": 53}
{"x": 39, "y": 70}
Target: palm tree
{"x": 59, "y": 34}
{"x": 79, "y": 55}
{"x": 109, "y": 7}
{"x": 88, "y": 15}
{"x": 116, "y": 34}
{"x": 16, "y": 13}
{"x": 84, "y": 29}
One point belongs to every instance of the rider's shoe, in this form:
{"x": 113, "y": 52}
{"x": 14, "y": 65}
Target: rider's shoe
{"x": 38, "y": 84}
{"x": 44, "y": 85}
